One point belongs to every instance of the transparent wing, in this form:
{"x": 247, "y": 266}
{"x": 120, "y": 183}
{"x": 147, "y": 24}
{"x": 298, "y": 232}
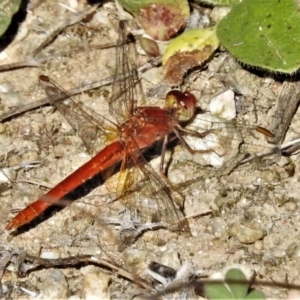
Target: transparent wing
{"x": 145, "y": 192}
{"x": 224, "y": 140}
{"x": 126, "y": 91}
{"x": 94, "y": 130}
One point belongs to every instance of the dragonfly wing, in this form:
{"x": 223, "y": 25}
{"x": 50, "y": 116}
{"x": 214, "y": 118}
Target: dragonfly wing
{"x": 142, "y": 190}
{"x": 223, "y": 140}
{"x": 126, "y": 91}
{"x": 94, "y": 129}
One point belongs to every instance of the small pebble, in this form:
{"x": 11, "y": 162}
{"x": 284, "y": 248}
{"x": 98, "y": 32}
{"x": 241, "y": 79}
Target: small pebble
{"x": 5, "y": 87}
{"x": 297, "y": 251}
{"x": 102, "y": 17}
{"x": 14, "y": 160}
{"x": 30, "y": 156}
{"x": 49, "y": 254}
{"x": 52, "y": 284}
{"x": 3, "y": 55}
{"x": 95, "y": 283}
{"x": 73, "y": 3}
{"x": 290, "y": 206}
{"x": 258, "y": 245}
{"x": 246, "y": 234}
{"x": 7, "y": 175}
{"x": 223, "y": 105}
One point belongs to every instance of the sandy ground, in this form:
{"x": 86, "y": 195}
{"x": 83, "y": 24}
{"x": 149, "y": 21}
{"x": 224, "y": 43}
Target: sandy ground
{"x": 246, "y": 215}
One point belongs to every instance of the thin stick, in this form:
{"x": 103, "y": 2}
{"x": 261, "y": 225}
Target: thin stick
{"x": 31, "y": 61}
{"x": 72, "y": 261}
{"x": 284, "y": 113}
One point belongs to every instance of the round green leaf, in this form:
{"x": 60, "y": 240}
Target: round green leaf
{"x": 263, "y": 34}
{"x": 239, "y": 290}
{"x": 217, "y": 291}
{"x": 7, "y": 9}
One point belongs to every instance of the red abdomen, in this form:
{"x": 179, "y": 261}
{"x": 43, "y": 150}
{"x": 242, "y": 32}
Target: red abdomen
{"x": 106, "y": 158}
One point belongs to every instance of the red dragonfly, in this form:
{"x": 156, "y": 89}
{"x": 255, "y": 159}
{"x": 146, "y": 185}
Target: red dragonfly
{"x": 138, "y": 129}
{"x": 139, "y": 187}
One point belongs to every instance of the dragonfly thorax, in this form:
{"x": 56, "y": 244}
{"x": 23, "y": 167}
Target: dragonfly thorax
{"x": 148, "y": 125}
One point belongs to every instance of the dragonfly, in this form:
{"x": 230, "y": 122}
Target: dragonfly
{"x": 137, "y": 129}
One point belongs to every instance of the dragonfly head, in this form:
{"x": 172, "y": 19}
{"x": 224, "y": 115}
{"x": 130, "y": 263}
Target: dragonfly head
{"x": 184, "y": 102}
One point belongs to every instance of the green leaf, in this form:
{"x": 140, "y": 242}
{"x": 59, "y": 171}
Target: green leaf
{"x": 235, "y": 286}
{"x": 264, "y": 34}
{"x": 239, "y": 290}
{"x": 7, "y": 9}
{"x": 188, "y": 50}
{"x": 191, "y": 40}
{"x": 217, "y": 291}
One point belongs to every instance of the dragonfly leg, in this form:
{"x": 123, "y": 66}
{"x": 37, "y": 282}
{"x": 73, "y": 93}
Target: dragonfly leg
{"x": 193, "y": 133}
{"x": 184, "y": 143}
{"x": 163, "y": 154}
{"x": 163, "y": 173}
